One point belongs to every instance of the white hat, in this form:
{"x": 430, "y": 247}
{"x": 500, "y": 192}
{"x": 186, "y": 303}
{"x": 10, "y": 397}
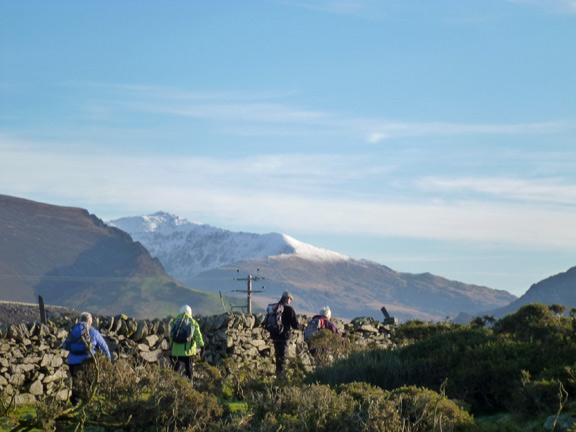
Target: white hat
{"x": 186, "y": 309}
{"x": 326, "y": 312}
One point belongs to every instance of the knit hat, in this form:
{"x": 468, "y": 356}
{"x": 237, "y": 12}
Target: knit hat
{"x": 186, "y": 309}
{"x": 326, "y": 312}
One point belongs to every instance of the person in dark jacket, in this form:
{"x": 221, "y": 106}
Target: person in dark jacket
{"x": 79, "y": 358}
{"x": 281, "y": 340}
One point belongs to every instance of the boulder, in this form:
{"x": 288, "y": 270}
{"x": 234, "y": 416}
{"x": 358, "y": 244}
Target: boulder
{"x": 560, "y": 423}
{"x": 36, "y": 388}
{"x": 151, "y": 356}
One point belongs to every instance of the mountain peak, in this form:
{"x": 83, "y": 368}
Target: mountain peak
{"x": 159, "y": 221}
{"x": 189, "y": 248}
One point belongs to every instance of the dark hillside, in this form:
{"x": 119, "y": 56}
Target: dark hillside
{"x": 73, "y": 259}
{"x": 560, "y": 288}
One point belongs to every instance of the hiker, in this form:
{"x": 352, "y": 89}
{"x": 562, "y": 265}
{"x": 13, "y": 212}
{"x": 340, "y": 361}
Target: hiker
{"x": 316, "y": 325}
{"x": 185, "y": 337}
{"x": 320, "y": 322}
{"x": 82, "y": 343}
{"x": 280, "y": 320}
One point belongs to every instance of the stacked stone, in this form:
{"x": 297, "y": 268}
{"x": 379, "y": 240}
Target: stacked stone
{"x": 237, "y": 336}
{"x": 33, "y": 364}
{"x": 367, "y": 333}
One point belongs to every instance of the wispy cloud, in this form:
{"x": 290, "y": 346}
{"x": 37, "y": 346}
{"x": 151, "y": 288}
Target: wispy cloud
{"x": 275, "y": 115}
{"x": 290, "y": 193}
{"x": 541, "y": 190}
{"x": 566, "y": 6}
{"x": 362, "y": 8}
{"x": 386, "y": 130}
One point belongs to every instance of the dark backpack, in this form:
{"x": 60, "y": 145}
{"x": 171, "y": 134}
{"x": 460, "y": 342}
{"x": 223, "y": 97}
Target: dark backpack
{"x": 273, "y": 322}
{"x": 315, "y": 326}
{"x": 78, "y": 340}
{"x": 182, "y": 329}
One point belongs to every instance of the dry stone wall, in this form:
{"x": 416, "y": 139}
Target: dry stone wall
{"x": 33, "y": 364}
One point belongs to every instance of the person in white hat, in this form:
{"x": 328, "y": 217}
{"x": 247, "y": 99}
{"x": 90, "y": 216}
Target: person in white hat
{"x": 320, "y": 322}
{"x": 185, "y": 338}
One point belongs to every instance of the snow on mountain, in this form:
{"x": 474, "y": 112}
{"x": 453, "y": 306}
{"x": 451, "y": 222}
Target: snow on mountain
{"x": 186, "y": 249}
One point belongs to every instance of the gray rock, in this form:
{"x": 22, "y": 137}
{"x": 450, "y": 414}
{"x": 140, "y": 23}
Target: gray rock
{"x": 36, "y": 388}
{"x": 560, "y": 424}
{"x": 152, "y": 340}
{"x": 151, "y": 356}
{"x": 24, "y": 399}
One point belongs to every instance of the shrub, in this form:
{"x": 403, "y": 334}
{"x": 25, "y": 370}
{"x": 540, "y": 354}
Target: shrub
{"x": 417, "y": 330}
{"x": 534, "y": 321}
{"x": 483, "y": 366}
{"x": 377, "y": 367}
{"x": 427, "y": 410}
{"x": 133, "y": 397}
{"x": 356, "y": 407}
{"x": 310, "y": 408}
{"x": 327, "y": 346}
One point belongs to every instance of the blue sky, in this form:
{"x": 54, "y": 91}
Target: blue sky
{"x": 429, "y": 136}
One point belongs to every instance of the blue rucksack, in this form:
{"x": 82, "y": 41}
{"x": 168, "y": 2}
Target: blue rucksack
{"x": 78, "y": 340}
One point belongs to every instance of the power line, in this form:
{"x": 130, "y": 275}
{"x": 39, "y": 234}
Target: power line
{"x": 249, "y": 291}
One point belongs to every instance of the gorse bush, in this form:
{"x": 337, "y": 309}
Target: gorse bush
{"x": 327, "y": 346}
{"x": 524, "y": 365}
{"x": 417, "y": 330}
{"x": 356, "y": 407}
{"x": 535, "y": 322}
{"x": 132, "y": 397}
{"x": 481, "y": 366}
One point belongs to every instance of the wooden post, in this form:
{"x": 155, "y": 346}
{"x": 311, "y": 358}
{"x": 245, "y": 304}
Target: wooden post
{"x": 42, "y": 311}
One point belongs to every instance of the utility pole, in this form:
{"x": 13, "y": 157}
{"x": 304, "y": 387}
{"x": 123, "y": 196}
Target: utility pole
{"x": 249, "y": 291}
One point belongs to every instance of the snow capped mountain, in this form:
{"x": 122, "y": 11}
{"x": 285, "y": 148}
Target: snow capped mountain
{"x": 208, "y": 258}
{"x": 189, "y": 248}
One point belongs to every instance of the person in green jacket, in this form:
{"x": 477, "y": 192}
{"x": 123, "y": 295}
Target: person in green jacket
{"x": 185, "y": 338}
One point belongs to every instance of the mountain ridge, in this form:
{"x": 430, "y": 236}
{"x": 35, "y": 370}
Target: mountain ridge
{"x": 558, "y": 288}
{"x": 210, "y": 258}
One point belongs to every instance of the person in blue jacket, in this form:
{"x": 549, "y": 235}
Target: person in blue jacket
{"x": 82, "y": 343}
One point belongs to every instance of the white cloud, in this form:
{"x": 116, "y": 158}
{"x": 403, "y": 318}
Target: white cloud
{"x": 386, "y": 130}
{"x": 567, "y": 6}
{"x": 542, "y": 190}
{"x": 288, "y": 193}
{"x": 273, "y": 115}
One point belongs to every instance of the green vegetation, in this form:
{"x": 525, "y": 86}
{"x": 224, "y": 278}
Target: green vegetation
{"x": 442, "y": 377}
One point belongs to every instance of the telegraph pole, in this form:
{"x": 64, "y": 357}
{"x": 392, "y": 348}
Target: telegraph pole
{"x": 249, "y": 291}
